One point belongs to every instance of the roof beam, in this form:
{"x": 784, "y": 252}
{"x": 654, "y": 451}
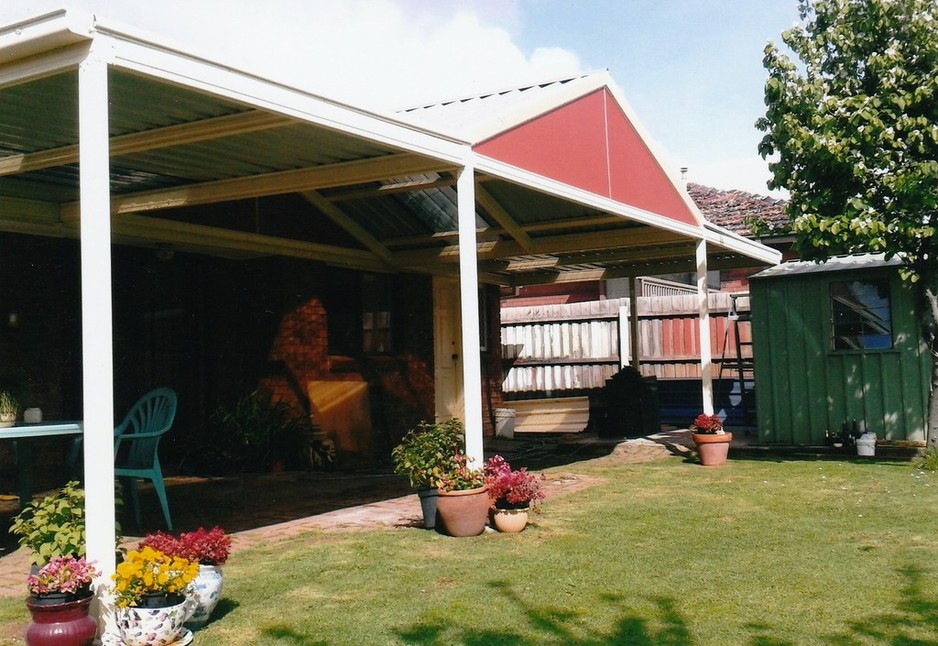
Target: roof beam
{"x": 177, "y": 135}
{"x": 182, "y": 235}
{"x": 501, "y": 216}
{"x": 358, "y": 232}
{"x": 571, "y": 243}
{"x": 389, "y": 189}
{"x": 292, "y": 181}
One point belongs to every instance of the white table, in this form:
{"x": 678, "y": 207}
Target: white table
{"x": 24, "y": 450}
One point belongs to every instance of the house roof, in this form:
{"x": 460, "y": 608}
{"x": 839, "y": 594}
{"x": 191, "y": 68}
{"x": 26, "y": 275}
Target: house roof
{"x": 279, "y": 170}
{"x": 738, "y": 210}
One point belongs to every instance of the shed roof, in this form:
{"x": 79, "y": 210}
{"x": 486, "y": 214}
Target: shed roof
{"x": 835, "y": 264}
{"x": 279, "y": 170}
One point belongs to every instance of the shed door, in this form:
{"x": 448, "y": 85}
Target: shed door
{"x": 447, "y": 349}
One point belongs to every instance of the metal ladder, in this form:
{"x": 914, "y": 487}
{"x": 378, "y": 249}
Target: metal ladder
{"x": 742, "y": 362}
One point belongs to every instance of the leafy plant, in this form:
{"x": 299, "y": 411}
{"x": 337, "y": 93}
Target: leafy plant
{"x": 428, "y": 452}
{"x": 208, "y": 547}
{"x": 8, "y": 403}
{"x": 63, "y": 574}
{"x": 709, "y": 424}
{"x": 461, "y": 476}
{"x": 149, "y": 571}
{"x": 53, "y": 526}
{"x": 512, "y": 489}
{"x": 928, "y": 460}
{"x": 256, "y": 432}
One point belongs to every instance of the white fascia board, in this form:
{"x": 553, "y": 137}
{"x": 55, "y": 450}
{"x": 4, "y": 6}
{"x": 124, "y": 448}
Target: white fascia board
{"x": 672, "y": 174}
{"x": 726, "y": 239}
{"x": 543, "y": 184}
{"x": 43, "y": 45}
{"x": 172, "y": 66}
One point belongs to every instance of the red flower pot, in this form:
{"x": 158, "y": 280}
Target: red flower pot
{"x": 61, "y": 624}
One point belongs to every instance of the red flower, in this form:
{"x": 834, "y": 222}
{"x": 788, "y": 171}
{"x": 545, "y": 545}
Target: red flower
{"x": 707, "y": 424}
{"x": 210, "y": 547}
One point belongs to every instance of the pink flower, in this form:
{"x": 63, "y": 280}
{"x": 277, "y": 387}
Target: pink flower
{"x": 511, "y": 489}
{"x": 65, "y": 574}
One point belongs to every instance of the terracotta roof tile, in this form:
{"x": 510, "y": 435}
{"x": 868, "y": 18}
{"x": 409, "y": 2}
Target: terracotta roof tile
{"x": 736, "y": 210}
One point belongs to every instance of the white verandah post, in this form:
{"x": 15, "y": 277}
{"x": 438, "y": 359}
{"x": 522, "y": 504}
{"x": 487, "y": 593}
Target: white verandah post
{"x": 469, "y": 300}
{"x": 706, "y": 374}
{"x": 97, "y": 351}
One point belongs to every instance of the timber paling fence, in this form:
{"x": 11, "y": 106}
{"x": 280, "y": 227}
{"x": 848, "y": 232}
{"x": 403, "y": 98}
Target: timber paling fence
{"x": 571, "y": 349}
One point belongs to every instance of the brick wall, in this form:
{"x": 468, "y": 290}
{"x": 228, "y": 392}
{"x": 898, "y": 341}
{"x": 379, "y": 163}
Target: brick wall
{"x": 214, "y": 330}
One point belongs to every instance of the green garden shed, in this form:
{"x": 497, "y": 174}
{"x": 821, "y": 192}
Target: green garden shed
{"x": 837, "y": 342}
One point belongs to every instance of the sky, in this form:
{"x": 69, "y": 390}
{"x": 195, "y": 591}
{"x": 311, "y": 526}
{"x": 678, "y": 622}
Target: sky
{"x": 690, "y": 69}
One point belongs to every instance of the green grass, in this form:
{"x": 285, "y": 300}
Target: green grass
{"x": 759, "y": 552}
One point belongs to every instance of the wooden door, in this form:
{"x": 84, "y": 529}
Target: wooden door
{"x": 447, "y": 350}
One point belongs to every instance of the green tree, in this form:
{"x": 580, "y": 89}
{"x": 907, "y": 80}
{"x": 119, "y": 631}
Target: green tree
{"x": 851, "y": 129}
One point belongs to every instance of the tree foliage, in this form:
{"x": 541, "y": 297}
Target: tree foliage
{"x": 853, "y": 126}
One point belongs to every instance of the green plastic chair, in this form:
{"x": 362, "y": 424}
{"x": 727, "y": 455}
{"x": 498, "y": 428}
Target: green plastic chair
{"x": 135, "y": 446}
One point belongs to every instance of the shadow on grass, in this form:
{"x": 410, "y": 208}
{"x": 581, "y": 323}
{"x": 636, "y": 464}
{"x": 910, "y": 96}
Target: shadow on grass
{"x": 561, "y": 626}
{"x": 914, "y": 622}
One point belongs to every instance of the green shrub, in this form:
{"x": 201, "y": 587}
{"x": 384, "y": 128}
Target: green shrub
{"x": 928, "y": 460}
{"x": 256, "y": 432}
{"x": 53, "y": 526}
{"x": 429, "y": 452}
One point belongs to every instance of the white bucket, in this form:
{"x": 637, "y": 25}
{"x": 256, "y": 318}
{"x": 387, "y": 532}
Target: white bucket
{"x": 866, "y": 445}
{"x": 505, "y": 423}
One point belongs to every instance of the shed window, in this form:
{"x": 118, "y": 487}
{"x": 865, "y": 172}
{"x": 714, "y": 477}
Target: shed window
{"x": 860, "y": 315}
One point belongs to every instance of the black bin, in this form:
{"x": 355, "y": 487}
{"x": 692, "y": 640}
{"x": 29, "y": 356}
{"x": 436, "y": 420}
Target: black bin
{"x": 631, "y": 406}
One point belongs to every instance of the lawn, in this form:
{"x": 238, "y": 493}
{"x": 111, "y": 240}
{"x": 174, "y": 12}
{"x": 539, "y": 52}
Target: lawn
{"x": 762, "y": 552}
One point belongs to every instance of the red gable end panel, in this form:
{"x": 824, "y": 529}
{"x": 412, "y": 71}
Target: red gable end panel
{"x": 590, "y": 144}
{"x": 567, "y": 144}
{"x": 637, "y": 179}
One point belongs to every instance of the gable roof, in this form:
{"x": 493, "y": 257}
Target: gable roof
{"x": 579, "y": 131}
{"x": 736, "y": 210}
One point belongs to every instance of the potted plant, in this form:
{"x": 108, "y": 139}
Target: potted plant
{"x": 210, "y": 549}
{"x": 59, "y": 600}
{"x": 150, "y": 592}
{"x": 463, "y": 500}
{"x": 256, "y": 434}
{"x": 713, "y": 443}
{"x": 53, "y": 526}
{"x": 512, "y": 494}
{"x": 424, "y": 455}
{"x": 9, "y": 409}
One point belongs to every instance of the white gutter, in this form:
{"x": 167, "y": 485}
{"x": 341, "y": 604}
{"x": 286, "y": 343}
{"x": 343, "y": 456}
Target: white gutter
{"x": 43, "y": 33}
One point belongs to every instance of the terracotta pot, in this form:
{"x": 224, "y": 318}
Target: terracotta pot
{"x": 463, "y": 513}
{"x": 61, "y": 624}
{"x": 713, "y": 448}
{"x": 510, "y": 521}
